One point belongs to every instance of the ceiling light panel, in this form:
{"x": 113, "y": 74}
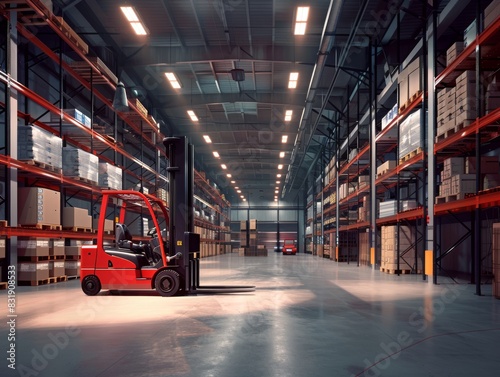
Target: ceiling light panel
{"x": 172, "y": 78}
{"x": 294, "y": 77}
{"x": 192, "y": 115}
{"x": 282, "y": 154}
{"x": 207, "y": 139}
{"x": 216, "y": 154}
{"x": 130, "y": 14}
{"x": 288, "y": 115}
{"x": 284, "y": 139}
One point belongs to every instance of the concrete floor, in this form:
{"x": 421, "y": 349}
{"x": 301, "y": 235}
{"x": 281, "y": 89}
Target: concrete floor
{"x": 307, "y": 317}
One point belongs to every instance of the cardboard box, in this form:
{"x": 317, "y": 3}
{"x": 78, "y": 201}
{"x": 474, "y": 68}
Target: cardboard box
{"x": 108, "y": 225}
{"x": 72, "y": 268}
{"x": 39, "y": 206}
{"x": 243, "y": 225}
{"x": 73, "y": 250}
{"x": 56, "y": 247}
{"x": 33, "y": 271}
{"x": 56, "y": 268}
{"x": 491, "y": 13}
{"x": 386, "y": 166}
{"x": 76, "y": 218}
{"x": 253, "y": 224}
{"x": 2, "y": 248}
{"x": 33, "y": 247}
{"x": 454, "y": 50}
{"x": 403, "y": 91}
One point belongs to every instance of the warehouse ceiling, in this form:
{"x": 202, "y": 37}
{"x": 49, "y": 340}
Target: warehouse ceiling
{"x": 203, "y": 41}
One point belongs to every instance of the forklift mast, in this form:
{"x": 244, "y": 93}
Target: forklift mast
{"x": 181, "y": 236}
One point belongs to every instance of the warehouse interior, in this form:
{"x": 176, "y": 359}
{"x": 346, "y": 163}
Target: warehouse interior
{"x": 365, "y": 133}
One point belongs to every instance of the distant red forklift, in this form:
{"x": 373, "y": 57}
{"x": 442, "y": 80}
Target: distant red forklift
{"x": 169, "y": 260}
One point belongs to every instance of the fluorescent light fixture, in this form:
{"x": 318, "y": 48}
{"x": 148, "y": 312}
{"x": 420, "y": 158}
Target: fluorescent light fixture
{"x": 238, "y": 191}
{"x": 300, "y": 28}
{"x": 130, "y": 14}
{"x": 233, "y": 182}
{"x": 228, "y": 175}
{"x": 294, "y": 77}
{"x": 276, "y": 192}
{"x": 135, "y": 22}
{"x": 278, "y": 182}
{"x": 139, "y": 28}
{"x": 216, "y": 154}
{"x": 172, "y": 78}
{"x": 242, "y": 197}
{"x": 302, "y": 14}
{"x": 223, "y": 166}
{"x": 278, "y": 175}
{"x": 280, "y": 166}
{"x": 275, "y": 199}
{"x": 237, "y": 187}
{"x": 244, "y": 200}
{"x": 207, "y": 139}
{"x": 288, "y": 115}
{"x": 284, "y": 139}
{"x": 282, "y": 154}
{"x": 192, "y": 115}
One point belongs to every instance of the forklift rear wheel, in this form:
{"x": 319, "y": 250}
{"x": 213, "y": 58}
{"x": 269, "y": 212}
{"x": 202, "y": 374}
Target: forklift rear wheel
{"x": 91, "y": 285}
{"x": 167, "y": 283}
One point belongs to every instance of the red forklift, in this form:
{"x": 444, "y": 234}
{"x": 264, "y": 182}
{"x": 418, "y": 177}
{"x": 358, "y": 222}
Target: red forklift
{"x": 169, "y": 260}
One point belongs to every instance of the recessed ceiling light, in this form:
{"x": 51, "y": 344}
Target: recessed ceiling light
{"x": 238, "y": 191}
{"x": 288, "y": 115}
{"x": 280, "y": 166}
{"x": 233, "y": 182}
{"x": 216, "y": 154}
{"x": 207, "y": 139}
{"x": 278, "y": 182}
{"x": 223, "y": 166}
{"x": 300, "y": 28}
{"x": 294, "y": 77}
{"x": 244, "y": 200}
{"x": 237, "y": 187}
{"x": 192, "y": 115}
{"x": 242, "y": 197}
{"x": 284, "y": 139}
{"x": 139, "y": 28}
{"x": 282, "y": 154}
{"x": 276, "y": 192}
{"x": 278, "y": 175}
{"x": 228, "y": 175}
{"x": 275, "y": 199}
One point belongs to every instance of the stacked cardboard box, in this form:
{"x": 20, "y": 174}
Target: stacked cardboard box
{"x": 33, "y": 247}
{"x": 491, "y": 13}
{"x": 465, "y": 97}
{"x": 364, "y": 249}
{"x": 391, "y": 248}
{"x": 72, "y": 268}
{"x": 33, "y": 271}
{"x": 57, "y": 268}
{"x": 81, "y": 164}
{"x": 2, "y": 248}
{"x": 39, "y": 206}
{"x": 108, "y": 225}
{"x": 409, "y": 81}
{"x": 454, "y": 50}
{"x": 56, "y": 247}
{"x": 347, "y": 189}
{"x": 40, "y": 146}
{"x": 363, "y": 180}
{"x": 110, "y": 176}
{"x": 493, "y": 97}
{"x": 445, "y": 111}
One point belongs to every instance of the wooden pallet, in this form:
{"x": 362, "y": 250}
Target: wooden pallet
{"x": 3, "y": 286}
{"x": 73, "y": 257}
{"x": 71, "y": 34}
{"x": 392, "y": 271}
{"x": 78, "y": 229}
{"x": 410, "y": 100}
{"x": 57, "y": 279}
{"x": 34, "y": 282}
{"x": 463, "y": 124}
{"x": 57, "y": 257}
{"x": 41, "y": 226}
{"x": 42, "y": 165}
{"x": 38, "y": 258}
{"x": 453, "y": 198}
{"x": 85, "y": 180}
{"x": 449, "y": 132}
{"x": 410, "y": 155}
{"x": 72, "y": 277}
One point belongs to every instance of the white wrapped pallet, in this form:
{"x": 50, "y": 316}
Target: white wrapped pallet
{"x": 110, "y": 176}
{"x": 40, "y": 146}
{"x": 409, "y": 134}
{"x": 81, "y": 164}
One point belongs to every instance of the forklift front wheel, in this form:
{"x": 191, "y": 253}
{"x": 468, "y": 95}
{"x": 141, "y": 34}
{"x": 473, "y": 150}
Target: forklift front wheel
{"x": 91, "y": 285}
{"x": 167, "y": 283}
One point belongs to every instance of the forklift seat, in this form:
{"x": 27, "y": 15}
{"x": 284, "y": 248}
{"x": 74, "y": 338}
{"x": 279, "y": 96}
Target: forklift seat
{"x": 123, "y": 239}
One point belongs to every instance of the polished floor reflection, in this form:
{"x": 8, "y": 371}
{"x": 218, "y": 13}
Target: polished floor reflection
{"x": 308, "y": 317}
